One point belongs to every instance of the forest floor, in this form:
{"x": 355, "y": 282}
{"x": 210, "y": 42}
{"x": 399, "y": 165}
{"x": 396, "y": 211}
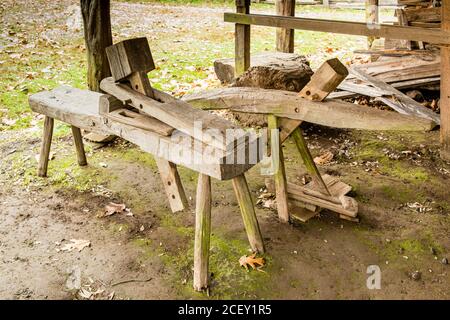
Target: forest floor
{"x": 398, "y": 179}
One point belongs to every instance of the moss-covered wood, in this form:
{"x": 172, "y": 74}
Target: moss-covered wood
{"x": 248, "y": 213}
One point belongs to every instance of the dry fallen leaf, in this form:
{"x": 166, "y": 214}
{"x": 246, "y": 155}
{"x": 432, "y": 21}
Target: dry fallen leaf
{"x": 251, "y": 261}
{"x": 324, "y": 159}
{"x": 76, "y": 244}
{"x": 113, "y": 208}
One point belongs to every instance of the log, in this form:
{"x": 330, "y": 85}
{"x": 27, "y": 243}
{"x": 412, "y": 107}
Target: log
{"x": 98, "y": 36}
{"x": 273, "y": 70}
{"x": 331, "y": 113}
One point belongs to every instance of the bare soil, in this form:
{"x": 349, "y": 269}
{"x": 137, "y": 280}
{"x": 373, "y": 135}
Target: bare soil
{"x": 400, "y": 182}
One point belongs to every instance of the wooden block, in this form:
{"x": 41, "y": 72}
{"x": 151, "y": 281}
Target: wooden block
{"x": 129, "y": 56}
{"x": 109, "y": 104}
{"x": 302, "y": 214}
{"x": 172, "y": 184}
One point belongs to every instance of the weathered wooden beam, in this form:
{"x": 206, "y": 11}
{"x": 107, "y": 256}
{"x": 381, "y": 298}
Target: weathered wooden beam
{"x": 78, "y": 141}
{"x": 285, "y": 37}
{"x": 251, "y": 225}
{"x": 279, "y": 170}
{"x": 331, "y": 113}
{"x": 202, "y": 232}
{"x": 445, "y": 86}
{"x": 45, "y": 147}
{"x": 242, "y": 40}
{"x": 344, "y": 27}
{"x": 98, "y": 36}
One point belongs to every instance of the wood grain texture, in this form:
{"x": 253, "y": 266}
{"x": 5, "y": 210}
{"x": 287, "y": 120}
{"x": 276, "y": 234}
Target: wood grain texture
{"x": 242, "y": 40}
{"x": 199, "y": 124}
{"x": 79, "y": 146}
{"x": 331, "y": 113}
{"x": 172, "y": 184}
{"x": 80, "y": 108}
{"x": 98, "y": 36}
{"x": 445, "y": 87}
{"x": 202, "y": 232}
{"x": 249, "y": 218}
{"x": 45, "y": 146}
{"x": 285, "y": 37}
{"x": 344, "y": 27}
{"x": 279, "y": 170}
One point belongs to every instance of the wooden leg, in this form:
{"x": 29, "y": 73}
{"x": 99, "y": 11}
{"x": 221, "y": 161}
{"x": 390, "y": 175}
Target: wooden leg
{"x": 78, "y": 140}
{"x": 280, "y": 173}
{"x": 172, "y": 184}
{"x": 308, "y": 161}
{"x": 445, "y": 86}
{"x": 248, "y": 213}
{"x": 45, "y": 147}
{"x": 202, "y": 232}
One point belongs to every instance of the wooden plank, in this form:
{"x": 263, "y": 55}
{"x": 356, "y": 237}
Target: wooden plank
{"x": 279, "y": 170}
{"x": 78, "y": 141}
{"x": 249, "y": 218}
{"x": 172, "y": 185}
{"x": 302, "y": 214}
{"x": 45, "y": 146}
{"x": 242, "y": 40}
{"x": 199, "y": 124}
{"x": 332, "y": 113}
{"x": 445, "y": 87}
{"x": 405, "y": 105}
{"x": 80, "y": 108}
{"x": 313, "y": 197}
{"x": 343, "y": 27}
{"x": 128, "y": 57}
{"x": 202, "y": 232}
{"x": 285, "y": 37}
{"x": 423, "y": 14}
{"x": 352, "y": 89}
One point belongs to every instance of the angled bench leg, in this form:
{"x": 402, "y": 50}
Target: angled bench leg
{"x": 280, "y": 172}
{"x": 45, "y": 147}
{"x": 248, "y": 213}
{"x": 202, "y": 232}
{"x": 172, "y": 184}
{"x": 78, "y": 140}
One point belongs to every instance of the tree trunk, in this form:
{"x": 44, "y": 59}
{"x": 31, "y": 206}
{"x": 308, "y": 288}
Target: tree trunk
{"x": 285, "y": 37}
{"x": 98, "y": 36}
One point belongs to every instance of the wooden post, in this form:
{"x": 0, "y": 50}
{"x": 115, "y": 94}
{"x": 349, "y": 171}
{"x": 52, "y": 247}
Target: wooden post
{"x": 326, "y": 3}
{"x": 280, "y": 172}
{"x": 248, "y": 213}
{"x": 45, "y": 147}
{"x": 372, "y": 18}
{"x": 242, "y": 39}
{"x": 98, "y": 36}
{"x": 285, "y": 37}
{"x": 202, "y": 232}
{"x": 445, "y": 86}
{"x": 78, "y": 140}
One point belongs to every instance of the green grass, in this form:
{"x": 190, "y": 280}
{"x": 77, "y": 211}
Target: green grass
{"x": 184, "y": 58}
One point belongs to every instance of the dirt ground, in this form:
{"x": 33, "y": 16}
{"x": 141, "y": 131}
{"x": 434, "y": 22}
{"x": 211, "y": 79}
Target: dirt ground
{"x": 400, "y": 182}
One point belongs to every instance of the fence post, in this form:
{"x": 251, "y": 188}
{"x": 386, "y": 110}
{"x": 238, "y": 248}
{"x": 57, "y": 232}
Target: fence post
{"x": 242, "y": 39}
